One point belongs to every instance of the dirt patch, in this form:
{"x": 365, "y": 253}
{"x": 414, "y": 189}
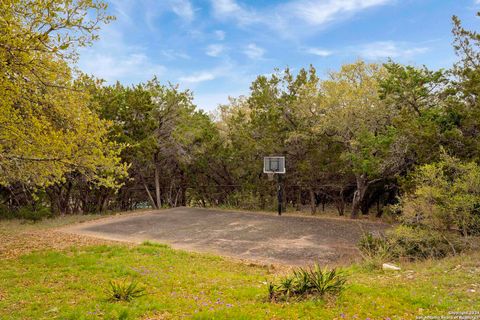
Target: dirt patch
{"x": 249, "y": 236}
{"x": 19, "y": 237}
{"x": 14, "y": 245}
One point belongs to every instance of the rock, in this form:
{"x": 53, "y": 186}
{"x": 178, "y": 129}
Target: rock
{"x": 388, "y": 266}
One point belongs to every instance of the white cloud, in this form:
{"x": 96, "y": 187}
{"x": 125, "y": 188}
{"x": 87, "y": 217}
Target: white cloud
{"x": 319, "y": 12}
{"x": 226, "y": 7}
{"x": 183, "y": 8}
{"x": 230, "y": 9}
{"x": 254, "y": 52}
{"x": 121, "y": 11}
{"x": 174, "y": 55}
{"x": 388, "y": 49}
{"x": 113, "y": 59}
{"x": 198, "y": 77}
{"x": 129, "y": 68}
{"x": 223, "y": 70}
{"x": 214, "y": 50}
{"x": 290, "y": 18}
{"x": 220, "y": 34}
{"x": 319, "y": 52}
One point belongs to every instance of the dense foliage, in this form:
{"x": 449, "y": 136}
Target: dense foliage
{"x": 446, "y": 197}
{"x": 49, "y": 129}
{"x": 410, "y": 243}
{"x": 358, "y": 138}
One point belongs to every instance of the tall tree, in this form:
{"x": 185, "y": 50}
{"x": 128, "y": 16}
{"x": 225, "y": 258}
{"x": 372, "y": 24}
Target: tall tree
{"x": 47, "y": 128}
{"x": 353, "y": 114}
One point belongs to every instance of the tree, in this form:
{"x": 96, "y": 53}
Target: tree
{"x": 47, "y": 128}
{"x": 464, "y": 91}
{"x": 352, "y": 113}
{"x": 170, "y": 145}
{"x": 422, "y": 120}
{"x": 318, "y": 162}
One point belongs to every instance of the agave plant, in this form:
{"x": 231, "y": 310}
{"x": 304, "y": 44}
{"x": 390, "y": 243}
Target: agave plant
{"x": 312, "y": 282}
{"x": 124, "y": 291}
{"x": 325, "y": 281}
{"x": 271, "y": 291}
{"x": 302, "y": 281}
{"x": 286, "y": 286}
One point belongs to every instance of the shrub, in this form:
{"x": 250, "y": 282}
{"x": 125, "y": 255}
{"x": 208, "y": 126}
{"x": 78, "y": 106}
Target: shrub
{"x": 446, "y": 197}
{"x": 5, "y": 212}
{"x": 124, "y": 291}
{"x": 412, "y": 243}
{"x": 31, "y": 213}
{"x": 422, "y": 243}
{"x": 307, "y": 283}
{"x": 374, "y": 245}
{"x": 375, "y": 249}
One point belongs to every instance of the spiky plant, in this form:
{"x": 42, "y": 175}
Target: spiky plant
{"x": 302, "y": 281}
{"x": 326, "y": 281}
{"x": 124, "y": 290}
{"x": 313, "y": 282}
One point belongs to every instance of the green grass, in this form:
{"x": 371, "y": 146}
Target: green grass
{"x": 73, "y": 284}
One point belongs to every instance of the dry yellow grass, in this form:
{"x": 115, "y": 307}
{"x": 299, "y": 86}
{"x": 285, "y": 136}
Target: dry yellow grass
{"x": 19, "y": 237}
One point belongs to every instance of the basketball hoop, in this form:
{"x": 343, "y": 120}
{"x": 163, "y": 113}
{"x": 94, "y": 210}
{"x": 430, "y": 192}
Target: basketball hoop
{"x": 271, "y": 166}
{"x": 274, "y": 165}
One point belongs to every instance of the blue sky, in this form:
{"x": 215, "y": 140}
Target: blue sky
{"x": 217, "y": 47}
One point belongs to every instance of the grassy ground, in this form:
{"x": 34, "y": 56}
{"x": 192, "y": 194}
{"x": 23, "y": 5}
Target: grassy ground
{"x": 68, "y": 280}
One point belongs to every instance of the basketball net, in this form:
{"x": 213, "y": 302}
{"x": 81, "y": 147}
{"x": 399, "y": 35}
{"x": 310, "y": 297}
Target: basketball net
{"x": 270, "y": 175}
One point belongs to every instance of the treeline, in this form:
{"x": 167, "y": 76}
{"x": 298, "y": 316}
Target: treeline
{"x": 358, "y": 138}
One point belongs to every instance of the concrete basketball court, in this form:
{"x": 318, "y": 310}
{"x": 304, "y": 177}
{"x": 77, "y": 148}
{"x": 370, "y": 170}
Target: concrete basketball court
{"x": 260, "y": 237}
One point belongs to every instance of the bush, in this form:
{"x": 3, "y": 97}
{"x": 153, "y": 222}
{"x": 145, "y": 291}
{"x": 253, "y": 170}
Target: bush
{"x": 375, "y": 249}
{"x": 31, "y": 213}
{"x": 446, "y": 197}
{"x": 412, "y": 243}
{"x": 124, "y": 291}
{"x": 421, "y": 243}
{"x": 6, "y": 213}
{"x": 307, "y": 283}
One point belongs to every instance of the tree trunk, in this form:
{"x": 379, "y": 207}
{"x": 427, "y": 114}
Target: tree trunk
{"x": 157, "y": 184}
{"x": 152, "y": 202}
{"x": 298, "y": 203}
{"x": 340, "y": 203}
{"x": 313, "y": 204}
{"x": 359, "y": 195}
{"x": 64, "y": 198}
{"x": 54, "y": 200}
{"x": 170, "y": 195}
{"x": 184, "y": 196}
{"x": 176, "y": 197}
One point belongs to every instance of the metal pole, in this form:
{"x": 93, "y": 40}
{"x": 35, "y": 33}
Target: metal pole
{"x": 279, "y": 194}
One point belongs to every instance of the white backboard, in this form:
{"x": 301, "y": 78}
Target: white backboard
{"x": 274, "y": 165}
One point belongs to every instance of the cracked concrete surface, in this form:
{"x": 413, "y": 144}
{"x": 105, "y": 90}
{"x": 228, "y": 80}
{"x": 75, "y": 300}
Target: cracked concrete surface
{"x": 290, "y": 240}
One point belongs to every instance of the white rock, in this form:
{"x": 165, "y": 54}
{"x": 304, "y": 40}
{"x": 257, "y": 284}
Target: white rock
{"x": 388, "y": 266}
